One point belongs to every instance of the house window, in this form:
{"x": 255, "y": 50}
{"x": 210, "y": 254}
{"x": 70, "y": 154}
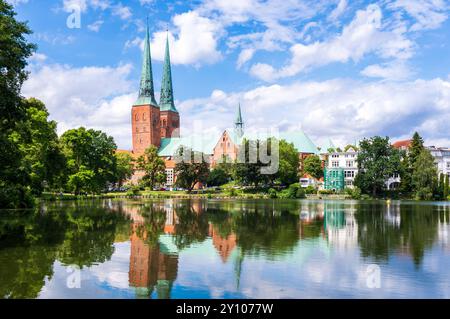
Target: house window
{"x": 349, "y": 174}
{"x": 448, "y": 165}
{"x": 350, "y": 163}
{"x": 169, "y": 177}
{"x": 335, "y": 155}
{"x": 348, "y": 183}
{"x": 334, "y": 164}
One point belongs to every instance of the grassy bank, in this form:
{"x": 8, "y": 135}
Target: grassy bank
{"x": 177, "y": 194}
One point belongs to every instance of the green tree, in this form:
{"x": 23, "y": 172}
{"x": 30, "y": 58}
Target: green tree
{"x": 289, "y": 163}
{"x": 191, "y": 168}
{"x": 446, "y": 187}
{"x": 312, "y": 165}
{"x": 377, "y": 161}
{"x": 39, "y": 144}
{"x": 249, "y": 172}
{"x": 153, "y": 166}
{"x": 218, "y": 176}
{"x": 425, "y": 176}
{"x": 124, "y": 169}
{"x": 82, "y": 181}
{"x": 441, "y": 186}
{"x": 90, "y": 150}
{"x": 14, "y": 51}
{"x": 416, "y": 148}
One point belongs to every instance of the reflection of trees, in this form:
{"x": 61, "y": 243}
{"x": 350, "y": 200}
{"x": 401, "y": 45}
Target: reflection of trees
{"x": 28, "y": 245}
{"x": 265, "y": 232}
{"x": 191, "y": 227}
{"x": 378, "y": 237}
{"x": 31, "y": 241}
{"x": 152, "y": 225}
{"x": 89, "y": 236}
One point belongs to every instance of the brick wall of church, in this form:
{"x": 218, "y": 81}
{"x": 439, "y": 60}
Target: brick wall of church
{"x": 170, "y": 124}
{"x": 146, "y": 129}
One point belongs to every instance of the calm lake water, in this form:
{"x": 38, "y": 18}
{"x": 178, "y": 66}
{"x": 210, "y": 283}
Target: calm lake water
{"x": 226, "y": 249}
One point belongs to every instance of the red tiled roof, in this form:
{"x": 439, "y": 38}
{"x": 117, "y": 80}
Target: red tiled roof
{"x": 402, "y": 144}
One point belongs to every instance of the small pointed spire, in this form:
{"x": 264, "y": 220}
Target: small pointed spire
{"x": 239, "y": 124}
{"x": 146, "y": 90}
{"x": 167, "y": 101}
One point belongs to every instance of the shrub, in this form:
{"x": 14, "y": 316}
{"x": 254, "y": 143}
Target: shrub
{"x": 354, "y": 193}
{"x": 310, "y": 190}
{"x": 300, "y": 193}
{"x": 272, "y": 193}
{"x": 292, "y": 190}
{"x": 326, "y": 191}
{"x": 134, "y": 190}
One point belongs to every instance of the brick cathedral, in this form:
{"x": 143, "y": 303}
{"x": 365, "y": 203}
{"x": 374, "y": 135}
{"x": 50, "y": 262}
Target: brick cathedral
{"x": 159, "y": 125}
{"x": 152, "y": 122}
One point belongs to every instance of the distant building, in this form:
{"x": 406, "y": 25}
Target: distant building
{"x": 341, "y": 169}
{"x": 442, "y": 158}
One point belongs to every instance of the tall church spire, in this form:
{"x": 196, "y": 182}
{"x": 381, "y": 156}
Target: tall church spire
{"x": 146, "y": 91}
{"x": 166, "y": 102}
{"x": 239, "y": 124}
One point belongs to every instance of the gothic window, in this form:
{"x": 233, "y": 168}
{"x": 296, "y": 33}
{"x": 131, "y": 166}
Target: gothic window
{"x": 143, "y": 116}
{"x": 164, "y": 123}
{"x": 137, "y": 117}
{"x": 140, "y": 140}
{"x": 137, "y": 129}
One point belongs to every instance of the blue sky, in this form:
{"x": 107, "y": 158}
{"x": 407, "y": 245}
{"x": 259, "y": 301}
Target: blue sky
{"x": 337, "y": 69}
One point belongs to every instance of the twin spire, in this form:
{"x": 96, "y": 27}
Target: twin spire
{"x": 146, "y": 89}
{"x": 239, "y": 124}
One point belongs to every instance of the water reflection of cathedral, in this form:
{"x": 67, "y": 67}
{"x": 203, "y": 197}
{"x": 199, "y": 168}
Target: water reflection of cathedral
{"x": 154, "y": 261}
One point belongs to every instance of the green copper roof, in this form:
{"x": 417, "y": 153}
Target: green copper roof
{"x": 326, "y": 146}
{"x": 206, "y": 144}
{"x": 166, "y": 102}
{"x": 198, "y": 143}
{"x": 146, "y": 91}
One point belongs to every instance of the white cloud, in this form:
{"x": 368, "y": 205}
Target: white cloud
{"x": 338, "y": 11}
{"x": 96, "y": 97}
{"x": 123, "y": 12}
{"x": 245, "y": 56}
{"x": 428, "y": 14}
{"x": 195, "y": 41}
{"x": 344, "y": 110}
{"x": 16, "y": 2}
{"x": 396, "y": 70}
{"x": 362, "y": 36}
{"x": 96, "y": 25}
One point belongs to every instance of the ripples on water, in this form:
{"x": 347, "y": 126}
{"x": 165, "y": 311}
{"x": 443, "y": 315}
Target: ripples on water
{"x": 226, "y": 249}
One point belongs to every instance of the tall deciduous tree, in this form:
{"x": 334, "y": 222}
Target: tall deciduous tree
{"x": 90, "y": 150}
{"x": 14, "y": 51}
{"x": 425, "y": 176}
{"x": 249, "y": 171}
{"x": 124, "y": 169}
{"x": 377, "y": 161}
{"x": 153, "y": 167}
{"x": 312, "y": 165}
{"x": 446, "y": 187}
{"x": 191, "y": 168}
{"x": 289, "y": 163}
{"x": 39, "y": 144}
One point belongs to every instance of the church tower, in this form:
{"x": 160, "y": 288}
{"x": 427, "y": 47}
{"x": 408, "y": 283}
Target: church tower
{"x": 239, "y": 124}
{"x": 170, "y": 119}
{"x": 145, "y": 113}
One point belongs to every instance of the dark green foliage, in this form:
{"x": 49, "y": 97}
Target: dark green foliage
{"x": 191, "y": 168}
{"x": 312, "y": 165}
{"x": 91, "y": 160}
{"x": 15, "y": 182}
{"x": 425, "y": 176}
{"x": 377, "y": 161}
{"x": 153, "y": 167}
